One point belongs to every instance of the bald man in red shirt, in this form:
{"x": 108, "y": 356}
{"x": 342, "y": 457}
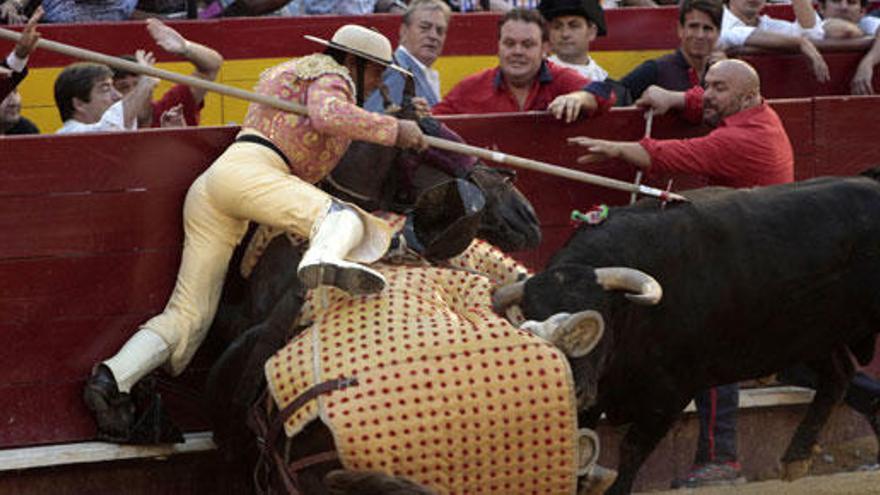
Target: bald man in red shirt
{"x": 747, "y": 147}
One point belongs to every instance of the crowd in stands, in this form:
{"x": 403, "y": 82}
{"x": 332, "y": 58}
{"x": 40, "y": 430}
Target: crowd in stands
{"x": 17, "y": 11}
{"x": 543, "y": 54}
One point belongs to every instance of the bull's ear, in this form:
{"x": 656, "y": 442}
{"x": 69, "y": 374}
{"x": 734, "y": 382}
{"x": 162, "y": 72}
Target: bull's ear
{"x": 574, "y": 334}
{"x": 589, "y": 331}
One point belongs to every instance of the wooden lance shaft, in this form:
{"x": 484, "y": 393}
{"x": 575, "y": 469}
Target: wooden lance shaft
{"x": 649, "y": 121}
{"x": 289, "y": 106}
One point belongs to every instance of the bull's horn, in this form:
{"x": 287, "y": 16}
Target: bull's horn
{"x": 643, "y": 288}
{"x": 508, "y": 295}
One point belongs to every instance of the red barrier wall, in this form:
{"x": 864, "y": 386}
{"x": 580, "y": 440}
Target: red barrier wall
{"x": 91, "y": 239}
{"x": 91, "y": 235}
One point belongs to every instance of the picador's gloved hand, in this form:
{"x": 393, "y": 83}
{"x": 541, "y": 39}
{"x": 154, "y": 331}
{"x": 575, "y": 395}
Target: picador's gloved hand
{"x": 410, "y": 136}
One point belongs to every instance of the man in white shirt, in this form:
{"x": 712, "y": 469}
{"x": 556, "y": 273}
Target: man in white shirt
{"x": 573, "y": 24}
{"x": 422, "y": 36}
{"x": 847, "y": 19}
{"x": 88, "y": 102}
{"x": 743, "y": 25}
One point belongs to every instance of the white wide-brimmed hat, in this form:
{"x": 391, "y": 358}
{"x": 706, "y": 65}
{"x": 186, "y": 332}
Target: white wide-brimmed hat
{"x": 362, "y": 42}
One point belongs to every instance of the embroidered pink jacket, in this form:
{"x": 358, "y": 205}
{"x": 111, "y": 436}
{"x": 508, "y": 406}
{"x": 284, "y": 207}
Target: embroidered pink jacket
{"x": 314, "y": 144}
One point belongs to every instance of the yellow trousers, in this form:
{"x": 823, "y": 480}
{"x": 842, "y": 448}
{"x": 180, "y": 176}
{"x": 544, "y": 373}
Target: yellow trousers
{"x": 248, "y": 182}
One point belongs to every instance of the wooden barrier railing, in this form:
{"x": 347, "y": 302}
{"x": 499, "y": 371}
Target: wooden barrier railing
{"x": 92, "y": 233}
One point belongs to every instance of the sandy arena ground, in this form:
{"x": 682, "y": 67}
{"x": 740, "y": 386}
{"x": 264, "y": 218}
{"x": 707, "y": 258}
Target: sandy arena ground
{"x": 854, "y": 483}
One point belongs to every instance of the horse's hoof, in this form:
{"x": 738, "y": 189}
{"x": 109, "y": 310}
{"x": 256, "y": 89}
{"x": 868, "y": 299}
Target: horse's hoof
{"x": 598, "y": 481}
{"x": 795, "y": 469}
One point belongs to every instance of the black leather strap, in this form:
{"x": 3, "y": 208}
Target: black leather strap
{"x": 253, "y": 138}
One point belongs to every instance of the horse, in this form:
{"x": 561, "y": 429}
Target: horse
{"x": 255, "y": 315}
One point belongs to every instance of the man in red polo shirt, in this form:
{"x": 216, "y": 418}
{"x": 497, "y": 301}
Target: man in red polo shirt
{"x": 523, "y": 80}
{"x": 747, "y": 147}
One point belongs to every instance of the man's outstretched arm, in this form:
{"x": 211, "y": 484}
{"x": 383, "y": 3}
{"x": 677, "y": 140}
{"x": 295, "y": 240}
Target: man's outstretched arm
{"x": 600, "y": 150}
{"x": 142, "y": 94}
{"x": 207, "y": 60}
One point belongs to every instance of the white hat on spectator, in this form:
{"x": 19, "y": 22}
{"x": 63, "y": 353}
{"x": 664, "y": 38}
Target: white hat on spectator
{"x": 362, "y": 42}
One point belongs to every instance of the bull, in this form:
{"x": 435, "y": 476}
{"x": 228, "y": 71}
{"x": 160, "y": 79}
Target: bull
{"x": 731, "y": 286}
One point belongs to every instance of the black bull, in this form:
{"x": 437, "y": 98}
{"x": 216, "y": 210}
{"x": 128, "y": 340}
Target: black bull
{"x": 754, "y": 281}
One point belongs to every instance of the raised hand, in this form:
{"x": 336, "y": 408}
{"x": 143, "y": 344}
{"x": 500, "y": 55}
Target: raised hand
{"x": 29, "y": 35}
{"x": 173, "y": 117}
{"x": 146, "y": 59}
{"x": 9, "y": 12}
{"x": 170, "y": 40}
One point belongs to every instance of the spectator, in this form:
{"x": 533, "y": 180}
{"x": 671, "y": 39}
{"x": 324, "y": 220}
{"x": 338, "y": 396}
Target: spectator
{"x": 88, "y": 102}
{"x": 489, "y": 5}
{"x": 852, "y": 12}
{"x": 573, "y": 24}
{"x": 12, "y": 12}
{"x": 300, "y": 7}
{"x": 168, "y": 9}
{"x": 13, "y": 69}
{"x": 742, "y": 25}
{"x": 845, "y": 19}
{"x": 422, "y": 36}
{"x": 747, "y": 147}
{"x": 180, "y": 99}
{"x": 523, "y": 80}
{"x": 76, "y": 11}
{"x": 699, "y": 24}
{"x": 11, "y": 121}
{"x": 337, "y": 7}
{"x": 613, "y": 4}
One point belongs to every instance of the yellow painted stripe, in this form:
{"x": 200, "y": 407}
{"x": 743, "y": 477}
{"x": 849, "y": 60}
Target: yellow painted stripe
{"x": 39, "y": 104}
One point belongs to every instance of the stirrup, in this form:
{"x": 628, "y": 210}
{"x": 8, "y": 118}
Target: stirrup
{"x": 351, "y": 277}
{"x": 137, "y": 418}
{"x": 113, "y": 411}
